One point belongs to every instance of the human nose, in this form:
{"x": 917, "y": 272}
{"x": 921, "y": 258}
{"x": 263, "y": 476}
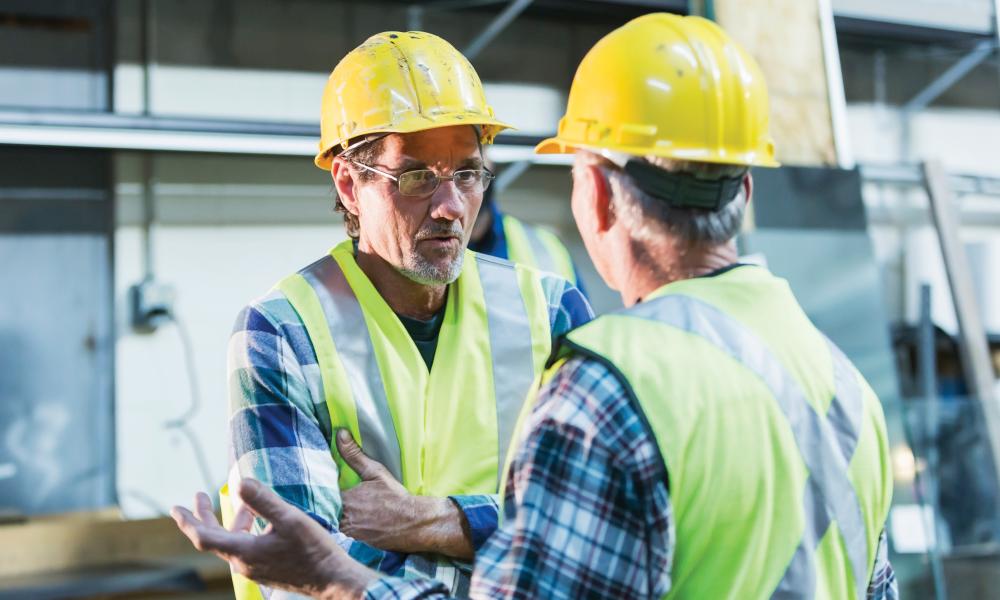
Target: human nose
{"x": 447, "y": 203}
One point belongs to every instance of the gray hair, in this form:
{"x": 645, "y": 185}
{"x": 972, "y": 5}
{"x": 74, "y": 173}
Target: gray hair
{"x": 648, "y": 218}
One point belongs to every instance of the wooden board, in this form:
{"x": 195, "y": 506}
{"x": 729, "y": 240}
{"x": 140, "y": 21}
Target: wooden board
{"x": 89, "y": 539}
{"x": 785, "y": 38}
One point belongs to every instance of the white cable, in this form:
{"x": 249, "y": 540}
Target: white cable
{"x": 182, "y": 423}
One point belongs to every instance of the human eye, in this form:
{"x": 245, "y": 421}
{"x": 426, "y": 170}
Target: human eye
{"x": 467, "y": 176}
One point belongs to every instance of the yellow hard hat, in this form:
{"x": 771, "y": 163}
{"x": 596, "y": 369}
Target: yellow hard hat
{"x": 670, "y": 86}
{"x": 401, "y": 82}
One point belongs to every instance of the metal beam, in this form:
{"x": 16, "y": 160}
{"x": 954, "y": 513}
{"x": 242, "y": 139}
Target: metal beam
{"x": 415, "y": 18}
{"x": 497, "y": 25}
{"x": 950, "y": 77}
{"x": 111, "y": 131}
{"x": 929, "y": 478}
{"x": 457, "y": 4}
{"x": 996, "y": 21}
{"x": 510, "y": 174}
{"x": 911, "y": 175}
{"x": 835, "y": 87}
{"x": 973, "y": 346}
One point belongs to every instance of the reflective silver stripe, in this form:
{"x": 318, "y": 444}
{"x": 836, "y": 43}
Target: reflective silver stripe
{"x": 543, "y": 258}
{"x": 510, "y": 346}
{"x": 354, "y": 348}
{"x": 826, "y": 444}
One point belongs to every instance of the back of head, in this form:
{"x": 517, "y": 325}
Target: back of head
{"x": 680, "y": 112}
{"x": 401, "y": 82}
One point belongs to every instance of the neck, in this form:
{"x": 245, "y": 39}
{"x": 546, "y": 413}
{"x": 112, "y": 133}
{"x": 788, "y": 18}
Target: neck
{"x": 403, "y": 295}
{"x": 650, "y": 267}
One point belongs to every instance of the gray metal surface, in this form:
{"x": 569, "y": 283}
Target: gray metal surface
{"x": 836, "y": 280}
{"x": 56, "y": 55}
{"x": 495, "y": 27}
{"x": 811, "y": 227}
{"x": 510, "y": 174}
{"x": 808, "y": 197}
{"x": 56, "y": 334}
{"x": 951, "y": 76}
{"x": 928, "y": 480}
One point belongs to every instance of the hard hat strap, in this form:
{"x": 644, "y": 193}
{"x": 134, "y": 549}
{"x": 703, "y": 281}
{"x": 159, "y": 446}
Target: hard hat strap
{"x": 682, "y": 190}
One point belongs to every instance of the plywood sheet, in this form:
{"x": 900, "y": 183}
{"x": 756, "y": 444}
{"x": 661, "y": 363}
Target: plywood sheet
{"x": 785, "y": 38}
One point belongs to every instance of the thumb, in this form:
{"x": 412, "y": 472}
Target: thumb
{"x": 365, "y": 467}
{"x": 263, "y": 502}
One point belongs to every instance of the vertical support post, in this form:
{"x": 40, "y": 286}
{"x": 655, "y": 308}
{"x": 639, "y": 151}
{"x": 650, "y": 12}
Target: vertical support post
{"x": 415, "y": 17}
{"x": 973, "y": 346}
{"x": 928, "y": 377}
{"x": 835, "y": 87}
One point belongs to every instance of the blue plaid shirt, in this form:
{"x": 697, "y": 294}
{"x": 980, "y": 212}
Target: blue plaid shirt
{"x": 587, "y": 512}
{"x": 280, "y": 429}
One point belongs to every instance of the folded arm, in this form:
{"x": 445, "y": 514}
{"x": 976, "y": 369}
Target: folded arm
{"x": 275, "y": 431}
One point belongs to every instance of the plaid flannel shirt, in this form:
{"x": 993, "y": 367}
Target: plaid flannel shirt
{"x": 280, "y": 429}
{"x": 587, "y": 512}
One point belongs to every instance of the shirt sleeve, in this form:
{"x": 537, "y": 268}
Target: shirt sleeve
{"x": 568, "y": 307}
{"x": 481, "y": 514}
{"x": 883, "y": 585}
{"x": 572, "y": 528}
{"x": 275, "y": 434}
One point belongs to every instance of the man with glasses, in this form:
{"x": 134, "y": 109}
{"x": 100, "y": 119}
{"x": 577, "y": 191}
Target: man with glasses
{"x": 420, "y": 350}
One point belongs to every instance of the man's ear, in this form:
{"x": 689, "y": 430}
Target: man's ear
{"x": 748, "y": 186}
{"x": 600, "y": 198}
{"x": 343, "y": 182}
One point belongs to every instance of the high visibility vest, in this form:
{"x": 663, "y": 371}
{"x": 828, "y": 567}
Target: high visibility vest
{"x": 538, "y": 248}
{"x": 775, "y": 446}
{"x": 439, "y": 432}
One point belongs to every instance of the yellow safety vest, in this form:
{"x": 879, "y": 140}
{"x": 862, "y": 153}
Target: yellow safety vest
{"x": 538, "y": 248}
{"x": 775, "y": 446}
{"x": 439, "y": 432}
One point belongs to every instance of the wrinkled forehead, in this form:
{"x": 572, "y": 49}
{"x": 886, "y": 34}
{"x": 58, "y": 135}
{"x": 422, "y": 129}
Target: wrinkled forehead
{"x": 445, "y": 146}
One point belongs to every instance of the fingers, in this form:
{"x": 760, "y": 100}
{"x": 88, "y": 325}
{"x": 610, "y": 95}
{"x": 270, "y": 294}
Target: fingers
{"x": 203, "y": 508}
{"x": 242, "y": 520}
{"x": 365, "y": 467}
{"x": 263, "y": 502}
{"x": 205, "y": 539}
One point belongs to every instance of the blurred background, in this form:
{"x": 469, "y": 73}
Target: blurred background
{"x": 156, "y": 175}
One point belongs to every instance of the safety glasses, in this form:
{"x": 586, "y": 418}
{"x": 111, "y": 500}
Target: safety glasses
{"x": 424, "y": 182}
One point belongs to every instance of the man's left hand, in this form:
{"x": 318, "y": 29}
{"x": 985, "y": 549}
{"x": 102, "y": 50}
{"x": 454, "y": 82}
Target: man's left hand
{"x": 382, "y": 513}
{"x": 294, "y": 552}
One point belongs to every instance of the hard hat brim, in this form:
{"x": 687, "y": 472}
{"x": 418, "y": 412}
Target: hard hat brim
{"x": 555, "y": 145}
{"x": 490, "y": 129}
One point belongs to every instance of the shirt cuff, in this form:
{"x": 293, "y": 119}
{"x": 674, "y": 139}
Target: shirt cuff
{"x": 481, "y": 513}
{"x": 398, "y": 588}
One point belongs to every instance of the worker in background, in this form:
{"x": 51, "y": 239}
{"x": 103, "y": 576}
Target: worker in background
{"x": 707, "y": 441}
{"x": 504, "y": 236}
{"x": 420, "y": 350}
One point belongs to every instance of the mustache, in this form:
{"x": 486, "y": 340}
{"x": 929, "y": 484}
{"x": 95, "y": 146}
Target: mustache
{"x": 438, "y": 230}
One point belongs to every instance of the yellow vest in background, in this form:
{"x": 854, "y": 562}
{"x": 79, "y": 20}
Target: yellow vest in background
{"x": 538, "y": 248}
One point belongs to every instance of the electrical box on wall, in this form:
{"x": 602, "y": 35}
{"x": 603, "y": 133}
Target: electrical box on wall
{"x": 151, "y": 303}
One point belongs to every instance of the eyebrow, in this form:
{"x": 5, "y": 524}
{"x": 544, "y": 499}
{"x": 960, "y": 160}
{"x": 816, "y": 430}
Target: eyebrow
{"x": 410, "y": 164}
{"x": 472, "y": 162}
